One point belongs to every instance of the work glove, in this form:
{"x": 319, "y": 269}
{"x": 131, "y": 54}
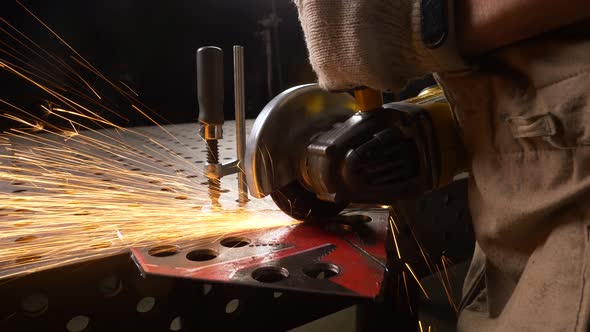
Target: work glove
{"x": 371, "y": 43}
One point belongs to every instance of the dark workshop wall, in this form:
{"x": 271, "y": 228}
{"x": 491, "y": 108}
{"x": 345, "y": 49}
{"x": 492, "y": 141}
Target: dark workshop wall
{"x": 150, "y": 45}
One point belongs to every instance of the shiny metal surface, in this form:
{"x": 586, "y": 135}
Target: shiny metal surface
{"x": 240, "y": 105}
{"x": 209, "y": 131}
{"x": 282, "y": 131}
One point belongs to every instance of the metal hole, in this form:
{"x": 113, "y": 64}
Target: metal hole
{"x": 232, "y": 306}
{"x": 135, "y": 169}
{"x": 201, "y": 255}
{"x": 270, "y": 274}
{"x": 235, "y": 242}
{"x": 78, "y": 324}
{"x": 25, "y": 239}
{"x": 192, "y": 176}
{"x": 19, "y": 191}
{"x": 207, "y": 288}
{"x": 110, "y": 286}
{"x": 198, "y": 162}
{"x": 164, "y": 250}
{"x": 146, "y": 304}
{"x": 181, "y": 197}
{"x": 82, "y": 213}
{"x": 176, "y": 324}
{"x": 188, "y": 157}
{"x": 168, "y": 189}
{"x": 35, "y": 304}
{"x": 321, "y": 270}
{"x": 17, "y": 183}
{"x": 27, "y": 259}
{"x": 101, "y": 245}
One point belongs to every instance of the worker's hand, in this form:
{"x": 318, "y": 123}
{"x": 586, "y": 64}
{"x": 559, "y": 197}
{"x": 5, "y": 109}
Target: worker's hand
{"x": 372, "y": 43}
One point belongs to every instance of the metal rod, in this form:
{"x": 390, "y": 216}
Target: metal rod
{"x": 240, "y": 119}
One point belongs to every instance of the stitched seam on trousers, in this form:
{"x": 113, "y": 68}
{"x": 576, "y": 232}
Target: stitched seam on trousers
{"x": 565, "y": 78}
{"x": 584, "y": 267}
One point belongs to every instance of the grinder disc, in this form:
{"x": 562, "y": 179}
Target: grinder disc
{"x": 281, "y": 133}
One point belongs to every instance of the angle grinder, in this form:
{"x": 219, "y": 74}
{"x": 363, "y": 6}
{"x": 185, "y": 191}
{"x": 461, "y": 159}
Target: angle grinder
{"x": 315, "y": 152}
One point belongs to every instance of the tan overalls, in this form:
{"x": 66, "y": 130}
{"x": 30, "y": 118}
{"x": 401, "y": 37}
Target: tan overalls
{"x": 525, "y": 117}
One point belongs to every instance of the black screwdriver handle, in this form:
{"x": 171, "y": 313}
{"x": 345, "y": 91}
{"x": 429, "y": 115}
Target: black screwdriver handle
{"x": 210, "y": 85}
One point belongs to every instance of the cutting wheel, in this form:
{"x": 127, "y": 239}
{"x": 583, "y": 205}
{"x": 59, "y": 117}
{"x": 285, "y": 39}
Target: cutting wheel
{"x": 278, "y": 138}
{"x": 301, "y": 204}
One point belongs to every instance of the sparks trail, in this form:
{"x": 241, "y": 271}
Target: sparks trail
{"x": 440, "y": 270}
{"x": 81, "y": 193}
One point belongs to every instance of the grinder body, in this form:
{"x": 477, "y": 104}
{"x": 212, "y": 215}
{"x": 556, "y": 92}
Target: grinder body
{"x": 378, "y": 154}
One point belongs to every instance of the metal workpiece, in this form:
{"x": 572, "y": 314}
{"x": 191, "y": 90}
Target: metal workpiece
{"x": 283, "y": 130}
{"x": 345, "y": 257}
{"x": 240, "y": 110}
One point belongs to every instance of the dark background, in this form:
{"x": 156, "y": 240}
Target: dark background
{"x": 150, "y": 45}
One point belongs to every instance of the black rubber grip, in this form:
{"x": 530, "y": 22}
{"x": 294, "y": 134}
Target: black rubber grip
{"x": 210, "y": 85}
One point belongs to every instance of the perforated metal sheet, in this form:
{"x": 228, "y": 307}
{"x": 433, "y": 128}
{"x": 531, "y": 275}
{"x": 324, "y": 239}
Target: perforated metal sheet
{"x": 108, "y": 294}
{"x": 173, "y": 151}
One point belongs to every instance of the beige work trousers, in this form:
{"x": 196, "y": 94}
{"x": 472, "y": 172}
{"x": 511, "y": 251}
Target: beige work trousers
{"x": 525, "y": 119}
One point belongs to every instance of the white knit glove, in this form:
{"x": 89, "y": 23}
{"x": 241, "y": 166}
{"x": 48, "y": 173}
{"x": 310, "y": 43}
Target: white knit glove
{"x": 372, "y": 43}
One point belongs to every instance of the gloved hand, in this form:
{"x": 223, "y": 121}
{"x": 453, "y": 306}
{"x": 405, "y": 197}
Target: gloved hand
{"x": 372, "y": 43}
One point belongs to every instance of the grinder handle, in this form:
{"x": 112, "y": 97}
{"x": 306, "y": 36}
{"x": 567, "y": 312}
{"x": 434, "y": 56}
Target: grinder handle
{"x": 210, "y": 85}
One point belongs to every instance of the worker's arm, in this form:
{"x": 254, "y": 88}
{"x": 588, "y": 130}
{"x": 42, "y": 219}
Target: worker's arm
{"x": 483, "y": 25}
{"x": 378, "y": 43}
